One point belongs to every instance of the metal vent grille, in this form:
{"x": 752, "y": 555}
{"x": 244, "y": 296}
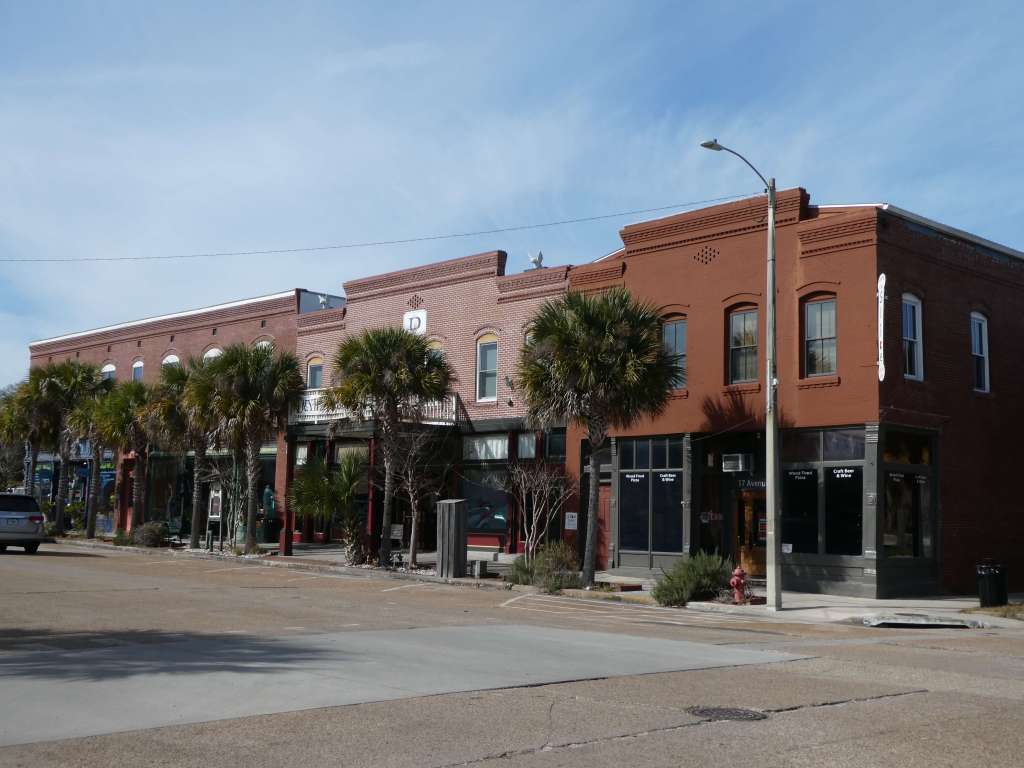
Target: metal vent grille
{"x": 705, "y": 255}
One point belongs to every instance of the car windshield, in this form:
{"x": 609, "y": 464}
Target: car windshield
{"x": 18, "y": 504}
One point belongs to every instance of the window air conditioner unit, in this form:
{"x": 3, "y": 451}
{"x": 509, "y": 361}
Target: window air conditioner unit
{"x": 737, "y": 462}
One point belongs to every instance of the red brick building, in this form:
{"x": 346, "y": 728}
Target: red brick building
{"x": 899, "y": 367}
{"x": 137, "y": 350}
{"x": 476, "y": 314}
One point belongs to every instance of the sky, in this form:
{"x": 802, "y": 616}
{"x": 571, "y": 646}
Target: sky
{"x": 146, "y": 129}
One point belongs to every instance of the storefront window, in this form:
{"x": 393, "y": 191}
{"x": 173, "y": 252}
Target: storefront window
{"x": 527, "y": 445}
{"x": 666, "y": 512}
{"x": 801, "y": 447}
{"x": 907, "y": 448}
{"x": 844, "y": 489}
{"x": 486, "y": 500}
{"x": 556, "y": 445}
{"x": 843, "y": 444}
{"x": 634, "y": 489}
{"x": 492, "y": 447}
{"x": 906, "y": 530}
{"x": 800, "y": 509}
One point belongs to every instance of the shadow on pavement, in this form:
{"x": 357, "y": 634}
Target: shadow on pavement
{"x": 118, "y": 654}
{"x": 47, "y": 552}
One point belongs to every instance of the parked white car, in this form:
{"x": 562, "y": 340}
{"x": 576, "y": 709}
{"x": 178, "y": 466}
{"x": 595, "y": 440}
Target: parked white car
{"x": 21, "y": 522}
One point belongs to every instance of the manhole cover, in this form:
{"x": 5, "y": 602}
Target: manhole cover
{"x": 726, "y": 713}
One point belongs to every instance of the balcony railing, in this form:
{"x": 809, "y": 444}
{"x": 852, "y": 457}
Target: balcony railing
{"x": 311, "y": 410}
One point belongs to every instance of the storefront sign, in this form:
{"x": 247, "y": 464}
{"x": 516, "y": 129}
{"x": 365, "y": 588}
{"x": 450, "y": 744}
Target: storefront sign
{"x": 635, "y": 477}
{"x": 881, "y": 326}
{"x": 843, "y": 473}
{"x": 415, "y": 321}
{"x": 747, "y": 485}
{"x": 570, "y": 521}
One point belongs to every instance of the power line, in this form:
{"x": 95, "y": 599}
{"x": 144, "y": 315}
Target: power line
{"x": 372, "y": 243}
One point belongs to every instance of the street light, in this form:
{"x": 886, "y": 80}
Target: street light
{"x": 771, "y": 423}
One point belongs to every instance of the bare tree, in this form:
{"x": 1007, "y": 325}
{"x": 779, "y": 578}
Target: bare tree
{"x": 540, "y": 491}
{"x": 423, "y": 468}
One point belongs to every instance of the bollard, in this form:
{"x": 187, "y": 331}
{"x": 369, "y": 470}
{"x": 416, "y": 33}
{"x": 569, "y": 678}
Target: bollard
{"x": 451, "y": 538}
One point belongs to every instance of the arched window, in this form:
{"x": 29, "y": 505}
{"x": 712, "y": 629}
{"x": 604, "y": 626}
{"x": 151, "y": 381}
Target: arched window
{"x": 108, "y": 371}
{"x": 979, "y": 352}
{"x": 743, "y": 345}
{"x": 913, "y": 338}
{"x": 315, "y": 373}
{"x": 820, "y": 336}
{"x": 264, "y": 344}
{"x": 137, "y": 368}
{"x": 171, "y": 359}
{"x": 487, "y": 367}
{"x": 673, "y": 333}
{"x": 212, "y": 352}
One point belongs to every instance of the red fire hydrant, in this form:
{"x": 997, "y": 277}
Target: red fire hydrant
{"x": 738, "y": 582}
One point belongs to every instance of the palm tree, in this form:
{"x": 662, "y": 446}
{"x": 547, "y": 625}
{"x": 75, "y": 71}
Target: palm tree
{"x": 65, "y": 385}
{"x": 34, "y": 420}
{"x": 182, "y": 417}
{"x": 254, "y": 389}
{"x": 123, "y": 423}
{"x": 388, "y": 375}
{"x": 346, "y": 479}
{"x": 83, "y": 424}
{"x": 599, "y": 362}
{"x": 310, "y": 494}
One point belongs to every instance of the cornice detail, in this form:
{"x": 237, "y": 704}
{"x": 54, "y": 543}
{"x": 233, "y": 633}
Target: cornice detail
{"x": 479, "y": 266}
{"x": 597, "y": 274}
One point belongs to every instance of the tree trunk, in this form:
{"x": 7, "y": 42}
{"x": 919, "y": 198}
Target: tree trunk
{"x": 589, "y": 552}
{"x": 139, "y": 489}
{"x": 197, "y": 493}
{"x": 414, "y": 538}
{"x": 29, "y": 469}
{"x": 94, "y": 490}
{"x": 252, "y": 476}
{"x": 62, "y": 486}
{"x": 385, "y": 520}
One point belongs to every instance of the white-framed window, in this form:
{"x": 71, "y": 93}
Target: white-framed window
{"x": 743, "y": 346}
{"x": 979, "y": 352}
{"x": 137, "y": 368}
{"x": 913, "y": 338}
{"x": 487, "y": 367}
{"x": 673, "y": 334}
{"x": 212, "y": 353}
{"x": 526, "y": 447}
{"x": 315, "y": 373}
{"x": 820, "y": 337}
{"x": 301, "y": 454}
{"x": 493, "y": 447}
{"x": 108, "y": 372}
{"x": 170, "y": 360}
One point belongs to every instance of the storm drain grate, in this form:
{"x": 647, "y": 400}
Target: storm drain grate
{"x": 726, "y": 713}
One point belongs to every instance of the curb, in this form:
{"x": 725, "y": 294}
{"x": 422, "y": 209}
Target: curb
{"x": 272, "y": 561}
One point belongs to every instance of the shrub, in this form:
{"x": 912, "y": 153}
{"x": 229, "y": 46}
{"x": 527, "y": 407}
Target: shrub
{"x": 75, "y": 515}
{"x": 121, "y": 538}
{"x": 50, "y": 530}
{"x": 698, "y": 577}
{"x": 152, "y": 534}
{"x": 520, "y": 572}
{"x": 556, "y": 567}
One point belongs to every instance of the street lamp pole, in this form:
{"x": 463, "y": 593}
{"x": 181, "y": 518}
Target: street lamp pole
{"x": 771, "y": 422}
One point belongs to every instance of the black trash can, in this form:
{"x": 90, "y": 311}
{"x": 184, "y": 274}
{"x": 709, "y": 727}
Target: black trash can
{"x": 992, "y": 583}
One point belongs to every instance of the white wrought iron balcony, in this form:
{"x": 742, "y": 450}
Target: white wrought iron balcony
{"x": 311, "y": 410}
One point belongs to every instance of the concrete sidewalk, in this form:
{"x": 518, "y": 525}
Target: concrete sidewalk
{"x": 817, "y": 609}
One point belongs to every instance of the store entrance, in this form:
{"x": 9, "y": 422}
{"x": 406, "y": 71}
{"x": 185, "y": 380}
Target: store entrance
{"x": 749, "y": 522}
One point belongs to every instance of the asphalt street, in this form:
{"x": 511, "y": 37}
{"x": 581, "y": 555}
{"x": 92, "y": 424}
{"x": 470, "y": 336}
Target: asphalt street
{"x": 123, "y": 658}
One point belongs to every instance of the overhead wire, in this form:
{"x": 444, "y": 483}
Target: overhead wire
{"x": 366, "y": 244}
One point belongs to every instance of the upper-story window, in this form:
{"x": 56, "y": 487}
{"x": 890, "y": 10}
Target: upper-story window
{"x": 315, "y": 373}
{"x": 820, "y": 337}
{"x": 487, "y": 367}
{"x": 108, "y": 371}
{"x": 170, "y": 360}
{"x": 913, "y": 341}
{"x": 742, "y": 346}
{"x": 212, "y": 352}
{"x": 673, "y": 333}
{"x": 979, "y": 351}
{"x": 264, "y": 344}
{"x": 137, "y": 367}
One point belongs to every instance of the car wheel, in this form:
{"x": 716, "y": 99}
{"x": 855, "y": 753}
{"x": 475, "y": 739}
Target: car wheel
{"x": 31, "y": 549}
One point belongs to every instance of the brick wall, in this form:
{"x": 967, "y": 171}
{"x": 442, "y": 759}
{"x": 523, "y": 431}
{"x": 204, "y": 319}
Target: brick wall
{"x": 463, "y": 299}
{"x": 981, "y": 506}
{"x": 271, "y": 318}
